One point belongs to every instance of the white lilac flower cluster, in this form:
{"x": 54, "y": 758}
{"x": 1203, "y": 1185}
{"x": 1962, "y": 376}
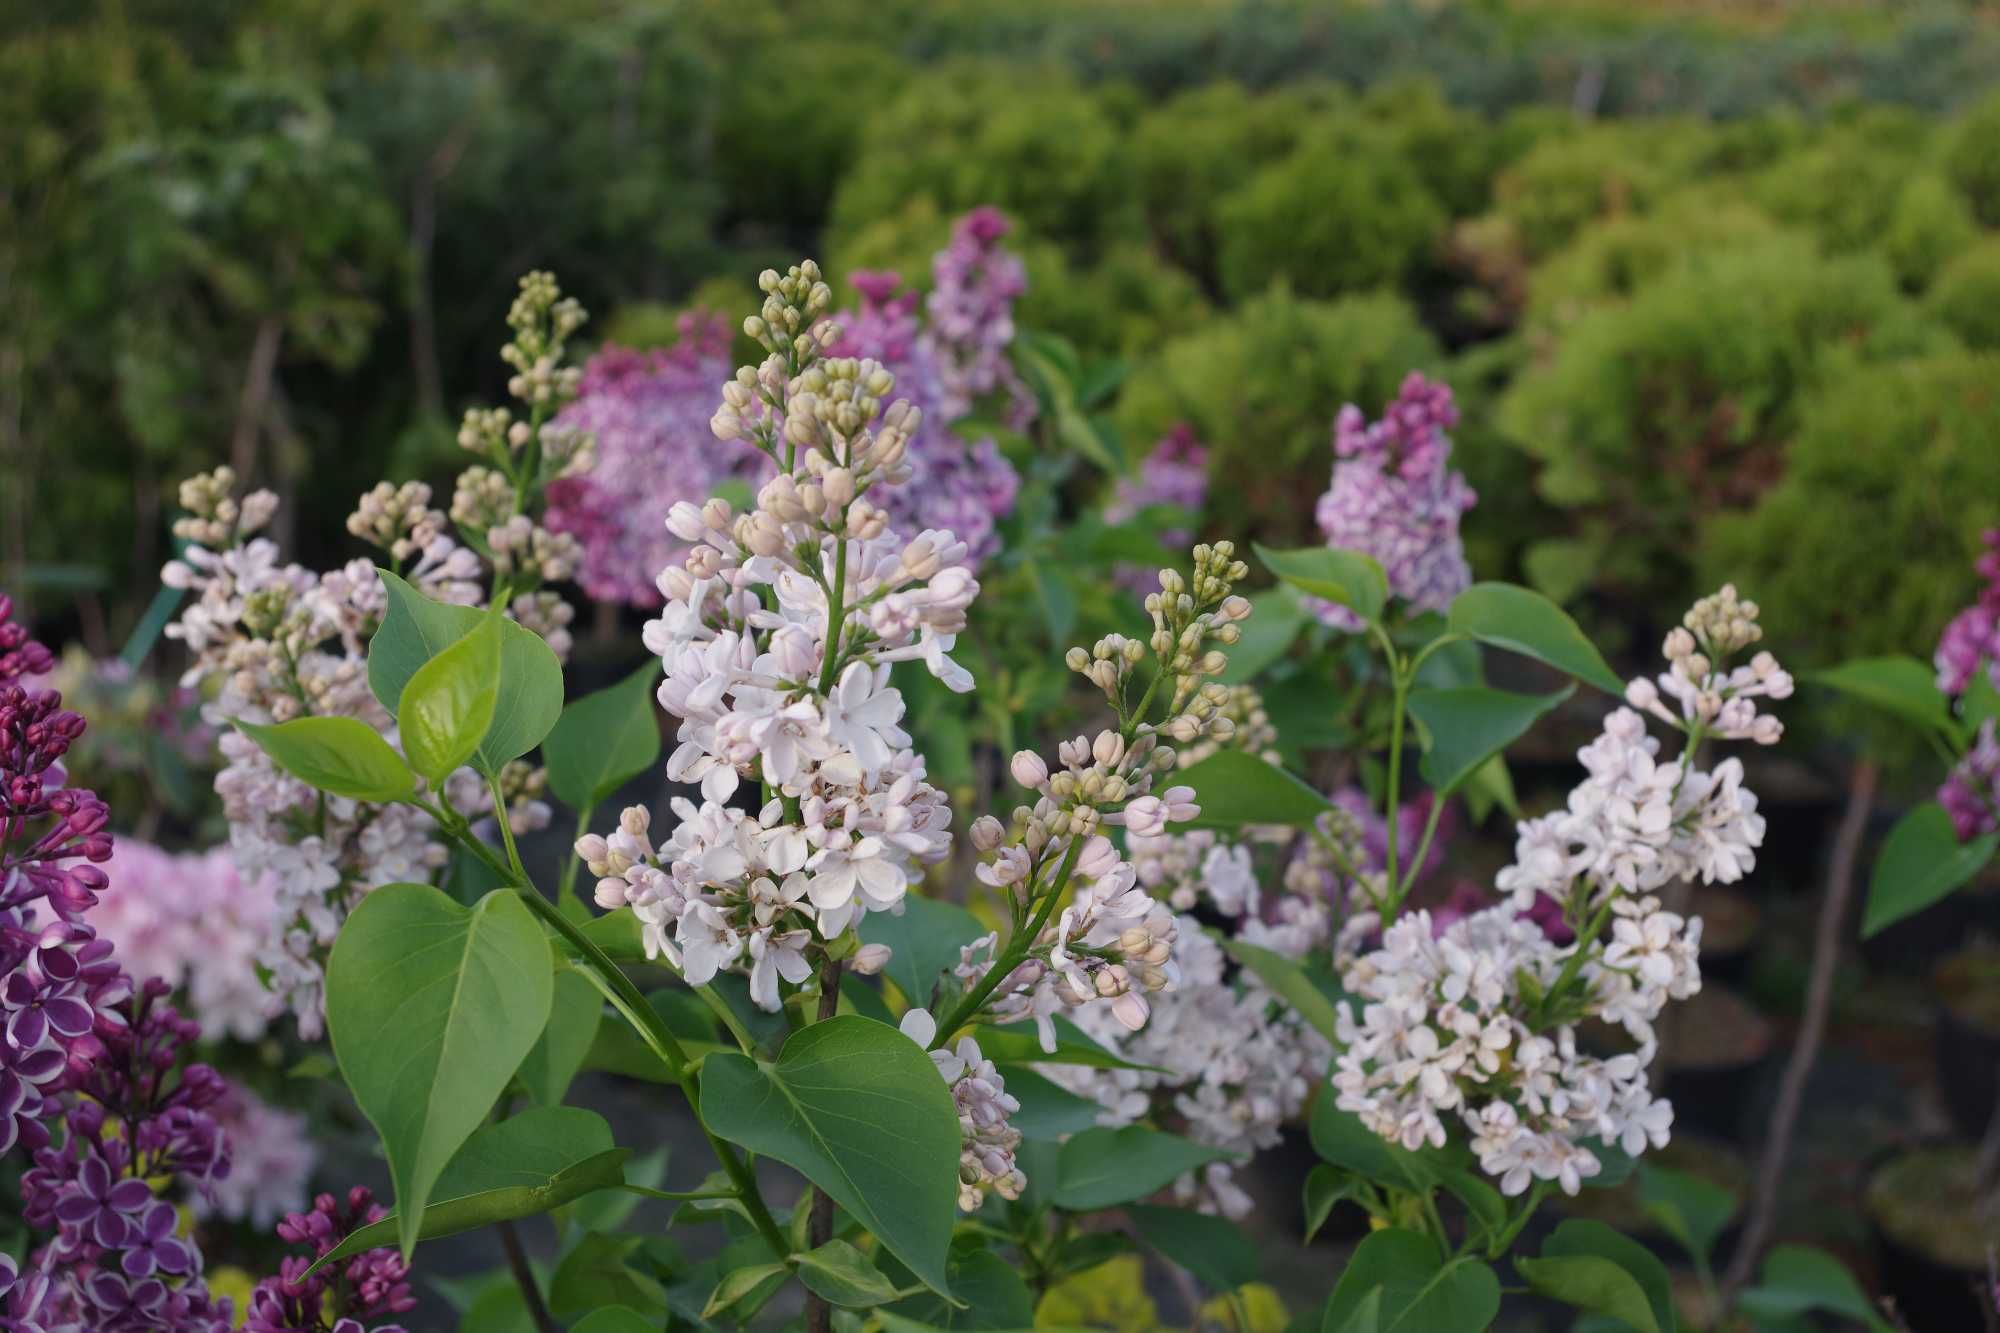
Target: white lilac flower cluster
{"x": 188, "y": 919}
{"x": 273, "y": 641}
{"x": 986, "y": 1152}
{"x": 1480, "y": 1022}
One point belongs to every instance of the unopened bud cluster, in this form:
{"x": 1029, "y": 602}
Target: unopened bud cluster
{"x": 215, "y": 518}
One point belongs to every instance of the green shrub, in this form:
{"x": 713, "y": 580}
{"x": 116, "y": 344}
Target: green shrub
{"x": 1565, "y": 182}
{"x": 784, "y": 139}
{"x": 1453, "y": 152}
{"x": 1866, "y": 545}
{"x": 1966, "y": 296}
{"x": 1843, "y": 189}
{"x": 1972, "y": 159}
{"x": 1338, "y": 214}
{"x": 1677, "y": 404}
{"x": 1031, "y": 143}
{"x": 1260, "y": 386}
{"x": 1931, "y": 224}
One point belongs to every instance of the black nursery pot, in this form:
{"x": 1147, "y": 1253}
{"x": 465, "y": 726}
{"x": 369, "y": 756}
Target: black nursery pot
{"x": 1932, "y": 1289}
{"x": 1967, "y": 1037}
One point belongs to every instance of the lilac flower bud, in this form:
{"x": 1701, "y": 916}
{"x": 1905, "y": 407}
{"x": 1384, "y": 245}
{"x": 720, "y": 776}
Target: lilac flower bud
{"x": 1098, "y": 858}
{"x": 870, "y": 959}
{"x": 1029, "y": 770}
{"x": 987, "y": 833}
{"x": 1108, "y": 748}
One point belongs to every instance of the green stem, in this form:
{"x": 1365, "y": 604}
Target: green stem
{"x": 566, "y": 889}
{"x": 1505, "y": 1239}
{"x": 1402, "y": 891}
{"x": 1017, "y": 948}
{"x": 836, "y": 611}
{"x": 1392, "y": 797}
{"x": 506, "y": 827}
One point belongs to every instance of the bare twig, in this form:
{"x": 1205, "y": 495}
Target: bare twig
{"x": 1805, "y": 1052}
{"x": 524, "y": 1277}
{"x": 257, "y": 376}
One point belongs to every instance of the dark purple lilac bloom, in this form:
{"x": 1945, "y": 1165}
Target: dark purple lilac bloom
{"x": 341, "y": 1297}
{"x": 1971, "y": 795}
{"x": 1973, "y": 636}
{"x": 100, "y": 1207}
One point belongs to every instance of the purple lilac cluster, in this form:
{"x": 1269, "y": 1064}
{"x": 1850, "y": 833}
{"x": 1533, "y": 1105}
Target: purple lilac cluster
{"x": 1971, "y": 794}
{"x": 964, "y": 486}
{"x": 974, "y": 284}
{"x": 343, "y": 1296}
{"x": 1394, "y": 497}
{"x": 649, "y": 414}
{"x": 1176, "y": 474}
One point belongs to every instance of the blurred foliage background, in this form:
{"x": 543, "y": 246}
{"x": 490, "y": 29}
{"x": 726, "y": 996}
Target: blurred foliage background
{"x": 1718, "y": 283}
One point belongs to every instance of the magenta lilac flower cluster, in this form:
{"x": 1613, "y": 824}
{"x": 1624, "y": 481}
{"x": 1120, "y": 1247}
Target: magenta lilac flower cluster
{"x": 649, "y": 413}
{"x": 1394, "y": 497}
{"x": 975, "y": 282}
{"x": 343, "y": 1296}
{"x": 1971, "y": 794}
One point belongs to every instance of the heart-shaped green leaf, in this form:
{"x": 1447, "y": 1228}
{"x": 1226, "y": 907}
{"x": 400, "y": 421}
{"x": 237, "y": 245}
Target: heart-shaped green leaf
{"x": 342, "y": 756}
{"x": 448, "y": 703}
{"x": 1593, "y": 1284}
{"x": 604, "y": 740}
{"x": 1798, "y": 1279}
{"x": 1526, "y": 622}
{"x": 1900, "y": 686}
{"x": 615, "y": 1319}
{"x": 1289, "y": 982}
{"x": 1235, "y": 787}
{"x": 1349, "y": 578}
{"x": 1102, "y": 1168}
{"x": 1466, "y": 727}
{"x": 1421, "y": 1291}
{"x": 924, "y": 941}
{"x": 1580, "y": 1237}
{"x": 859, "y": 1109}
{"x": 1691, "y": 1210}
{"x": 559, "y": 1052}
{"x": 432, "y": 1008}
{"x": 1921, "y": 862}
{"x": 522, "y": 1166}
{"x": 1215, "y": 1251}
{"x": 844, "y": 1276}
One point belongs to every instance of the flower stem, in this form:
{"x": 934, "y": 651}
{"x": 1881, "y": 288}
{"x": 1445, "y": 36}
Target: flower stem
{"x": 836, "y": 612}
{"x": 524, "y": 1278}
{"x": 1017, "y": 948}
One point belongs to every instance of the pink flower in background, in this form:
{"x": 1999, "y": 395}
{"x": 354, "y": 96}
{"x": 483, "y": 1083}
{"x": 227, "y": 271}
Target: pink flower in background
{"x": 1973, "y": 636}
{"x": 1394, "y": 497}
{"x": 188, "y": 919}
{"x": 975, "y": 283}
{"x": 273, "y": 1159}
{"x": 1175, "y": 473}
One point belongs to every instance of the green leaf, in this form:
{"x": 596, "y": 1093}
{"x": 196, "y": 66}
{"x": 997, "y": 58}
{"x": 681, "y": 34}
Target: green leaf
{"x": 1527, "y": 622}
{"x": 1921, "y": 862}
{"x": 1102, "y": 1168}
{"x": 1325, "y": 1189}
{"x": 522, "y": 1166}
{"x": 1215, "y": 1251}
{"x": 416, "y": 629}
{"x": 1349, "y": 578}
{"x": 1276, "y": 617}
{"x": 1799, "y": 1279}
{"x": 595, "y": 1274}
{"x": 859, "y": 1109}
{"x": 1057, "y": 600}
{"x": 448, "y": 704}
{"x": 1691, "y": 1210}
{"x": 432, "y": 1008}
{"x": 1580, "y": 1237}
{"x": 1592, "y": 1284}
{"x": 604, "y": 740}
{"x": 342, "y": 756}
{"x": 1289, "y": 982}
{"x": 1341, "y": 1138}
{"x": 559, "y": 1052}
{"x": 1364, "y": 1317}
{"x": 1420, "y": 1291}
{"x": 1900, "y": 686}
{"x": 842, "y": 1275}
{"x": 739, "y": 1284}
{"x": 615, "y": 1319}
{"x": 1018, "y": 1044}
{"x": 991, "y": 1293}
{"x": 1235, "y": 788}
{"x": 924, "y": 940}
{"x": 1466, "y": 727}
{"x": 1048, "y": 1110}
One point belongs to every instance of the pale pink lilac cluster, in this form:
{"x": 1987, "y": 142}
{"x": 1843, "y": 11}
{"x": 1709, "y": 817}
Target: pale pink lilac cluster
{"x": 987, "y": 1141}
{"x": 648, "y": 412}
{"x": 271, "y": 641}
{"x": 975, "y": 282}
{"x": 1175, "y": 474}
{"x": 1395, "y": 497}
{"x": 189, "y": 919}
{"x": 273, "y": 1158}
{"x": 1477, "y": 1022}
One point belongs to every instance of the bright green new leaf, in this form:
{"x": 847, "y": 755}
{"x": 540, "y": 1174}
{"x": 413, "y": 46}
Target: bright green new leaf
{"x": 1421, "y": 1291}
{"x": 1339, "y": 1137}
{"x": 1364, "y": 1317}
{"x": 1921, "y": 862}
{"x": 342, "y": 756}
{"x": 1466, "y": 727}
{"x": 1102, "y": 1168}
{"x": 1276, "y": 617}
{"x": 566, "y": 1039}
{"x": 1691, "y": 1210}
{"x": 1018, "y": 1044}
{"x": 1234, "y": 788}
{"x": 431, "y": 1008}
{"x": 738, "y": 1284}
{"x": 520, "y": 1167}
{"x": 844, "y": 1276}
{"x": 1217, "y": 1252}
{"x": 924, "y": 942}
{"x": 1593, "y": 1284}
{"x": 1526, "y": 622}
{"x": 1579, "y": 1237}
{"x": 1799, "y": 1279}
{"x": 416, "y": 629}
{"x": 858, "y": 1108}
{"x": 1900, "y": 686}
{"x": 1288, "y": 980}
{"x": 595, "y": 1273}
{"x": 1349, "y": 578}
{"x": 604, "y": 740}
{"x": 1325, "y": 1189}
{"x": 448, "y": 703}
{"x": 990, "y": 1292}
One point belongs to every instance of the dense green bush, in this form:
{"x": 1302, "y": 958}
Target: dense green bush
{"x": 1566, "y": 181}
{"x": 1678, "y": 403}
{"x": 1930, "y": 224}
{"x": 1865, "y": 546}
{"x": 1844, "y": 189}
{"x": 1340, "y": 213}
{"x": 1972, "y": 159}
{"x": 1966, "y": 296}
{"x": 1260, "y": 386}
